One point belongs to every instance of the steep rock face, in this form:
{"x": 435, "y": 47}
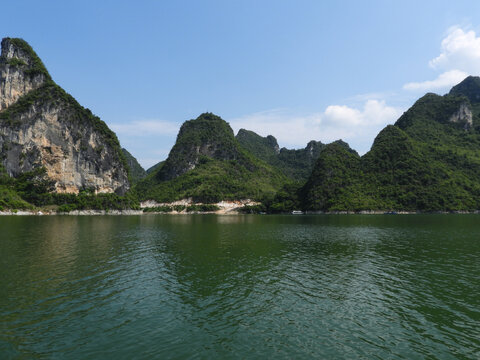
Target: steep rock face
{"x": 42, "y": 126}
{"x": 20, "y": 71}
{"x": 463, "y": 116}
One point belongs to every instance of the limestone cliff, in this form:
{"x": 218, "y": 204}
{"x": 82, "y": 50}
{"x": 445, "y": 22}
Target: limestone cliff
{"x": 20, "y": 71}
{"x": 43, "y": 126}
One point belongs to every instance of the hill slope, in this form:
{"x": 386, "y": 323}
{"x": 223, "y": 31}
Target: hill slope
{"x": 295, "y": 164}
{"x": 208, "y": 164}
{"x": 429, "y": 160}
{"x": 137, "y": 172}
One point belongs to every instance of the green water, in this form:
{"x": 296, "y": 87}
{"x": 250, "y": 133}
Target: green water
{"x": 203, "y": 287}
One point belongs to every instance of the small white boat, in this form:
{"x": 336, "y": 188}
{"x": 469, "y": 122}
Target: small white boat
{"x": 297, "y": 212}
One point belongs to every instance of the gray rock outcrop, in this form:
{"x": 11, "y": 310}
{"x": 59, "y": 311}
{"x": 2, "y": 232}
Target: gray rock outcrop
{"x": 43, "y": 126}
{"x": 463, "y": 116}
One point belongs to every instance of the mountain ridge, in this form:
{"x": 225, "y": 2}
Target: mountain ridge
{"x": 296, "y": 164}
{"x": 208, "y": 164}
{"x": 428, "y": 160}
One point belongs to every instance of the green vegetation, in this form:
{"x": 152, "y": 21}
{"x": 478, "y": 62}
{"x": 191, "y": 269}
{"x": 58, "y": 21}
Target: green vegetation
{"x": 9, "y": 197}
{"x": 265, "y": 148}
{"x": 180, "y": 208}
{"x": 469, "y": 88}
{"x": 89, "y": 201}
{"x": 212, "y": 181}
{"x": 425, "y": 162}
{"x": 207, "y": 137}
{"x": 222, "y": 169}
{"x": 160, "y": 209}
{"x": 36, "y": 66}
{"x": 295, "y": 164}
{"x": 202, "y": 208}
{"x": 155, "y": 167}
{"x": 136, "y": 170}
{"x": 33, "y": 190}
{"x": 428, "y": 161}
{"x": 16, "y": 62}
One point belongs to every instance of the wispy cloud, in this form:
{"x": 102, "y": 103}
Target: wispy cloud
{"x": 444, "y": 80}
{"x": 145, "y": 128}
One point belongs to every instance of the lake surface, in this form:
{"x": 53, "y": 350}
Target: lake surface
{"x": 202, "y": 287}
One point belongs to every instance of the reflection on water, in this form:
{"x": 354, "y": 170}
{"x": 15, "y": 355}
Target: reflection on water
{"x": 193, "y": 286}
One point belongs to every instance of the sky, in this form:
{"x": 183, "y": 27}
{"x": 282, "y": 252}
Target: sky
{"x": 299, "y": 70}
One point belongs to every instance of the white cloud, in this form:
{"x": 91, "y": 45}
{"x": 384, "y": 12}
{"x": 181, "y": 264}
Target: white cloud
{"x": 146, "y": 128}
{"x": 356, "y": 126}
{"x": 459, "y": 57}
{"x": 444, "y": 80}
{"x": 459, "y": 50}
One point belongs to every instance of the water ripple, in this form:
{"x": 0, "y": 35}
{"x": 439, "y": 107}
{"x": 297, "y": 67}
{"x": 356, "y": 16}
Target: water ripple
{"x": 197, "y": 287}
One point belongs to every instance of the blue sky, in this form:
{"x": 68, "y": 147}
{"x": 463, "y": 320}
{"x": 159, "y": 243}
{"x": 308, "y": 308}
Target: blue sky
{"x": 299, "y": 70}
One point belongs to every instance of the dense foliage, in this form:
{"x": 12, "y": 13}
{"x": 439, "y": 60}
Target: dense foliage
{"x": 469, "y": 88}
{"x": 154, "y": 167}
{"x": 9, "y": 198}
{"x": 33, "y": 190}
{"x": 212, "y": 181}
{"x": 426, "y": 162}
{"x": 136, "y": 170}
{"x": 295, "y": 164}
{"x": 208, "y": 165}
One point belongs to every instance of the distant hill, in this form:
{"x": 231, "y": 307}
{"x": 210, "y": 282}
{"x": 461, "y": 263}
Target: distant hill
{"x": 208, "y": 164}
{"x": 154, "y": 167}
{"x": 136, "y": 170}
{"x": 429, "y": 160}
{"x": 295, "y": 164}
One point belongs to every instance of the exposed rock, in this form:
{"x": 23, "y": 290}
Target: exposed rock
{"x": 224, "y": 207}
{"x": 42, "y": 126}
{"x": 463, "y": 116}
{"x": 20, "y": 71}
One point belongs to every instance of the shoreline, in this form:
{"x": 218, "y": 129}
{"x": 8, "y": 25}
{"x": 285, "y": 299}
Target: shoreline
{"x": 221, "y": 212}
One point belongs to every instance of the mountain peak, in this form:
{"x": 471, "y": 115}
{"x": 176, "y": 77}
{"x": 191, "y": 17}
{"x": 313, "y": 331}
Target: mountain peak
{"x": 44, "y": 127}
{"x": 208, "y": 136}
{"x": 470, "y": 87}
{"x": 209, "y": 116}
{"x": 17, "y": 52}
{"x": 21, "y": 71}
